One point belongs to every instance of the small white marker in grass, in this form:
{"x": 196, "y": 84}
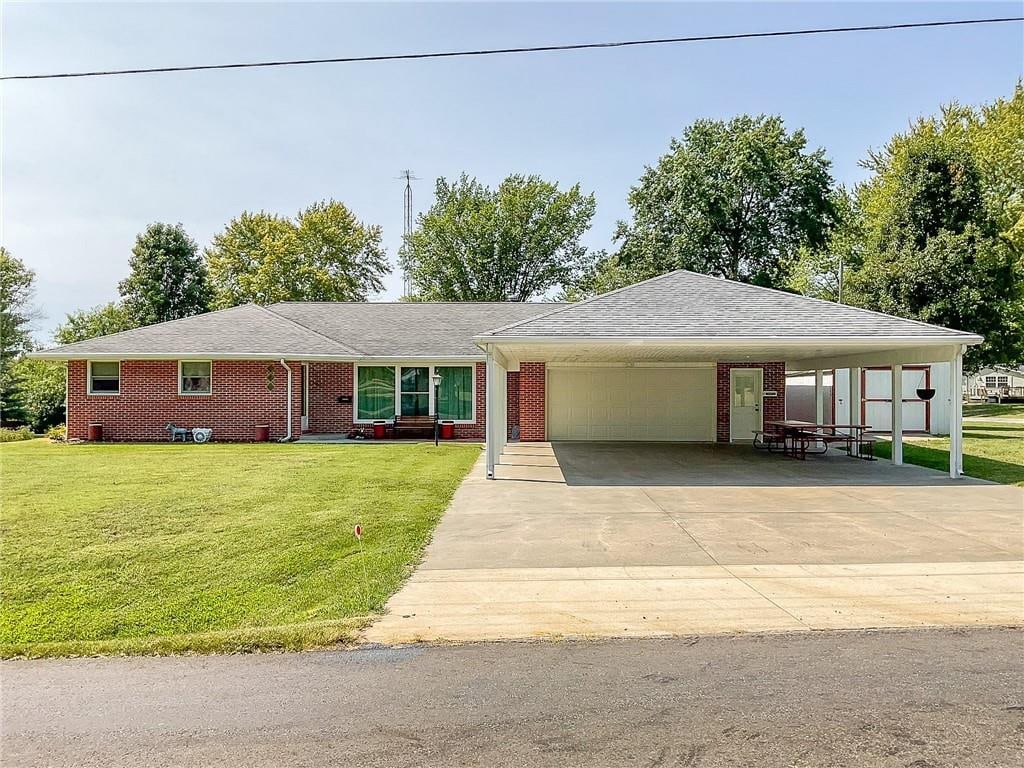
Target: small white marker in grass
{"x": 358, "y": 532}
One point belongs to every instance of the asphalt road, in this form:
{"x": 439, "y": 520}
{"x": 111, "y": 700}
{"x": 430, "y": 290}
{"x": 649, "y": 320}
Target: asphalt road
{"x": 898, "y": 698}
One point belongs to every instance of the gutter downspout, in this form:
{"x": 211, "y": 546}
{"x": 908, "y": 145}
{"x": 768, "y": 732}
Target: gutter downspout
{"x": 288, "y": 432}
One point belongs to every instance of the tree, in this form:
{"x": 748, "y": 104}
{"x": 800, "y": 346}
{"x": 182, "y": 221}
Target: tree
{"x": 817, "y": 271}
{"x": 326, "y": 254}
{"x": 734, "y": 199}
{"x": 40, "y": 392}
{"x": 98, "y": 321}
{"x": 513, "y": 243}
{"x": 933, "y": 251}
{"x": 17, "y": 285}
{"x": 168, "y": 276}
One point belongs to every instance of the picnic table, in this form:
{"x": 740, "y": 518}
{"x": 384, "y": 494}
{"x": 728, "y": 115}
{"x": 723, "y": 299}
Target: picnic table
{"x": 795, "y": 438}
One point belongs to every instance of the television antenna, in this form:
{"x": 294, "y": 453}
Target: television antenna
{"x": 408, "y": 177}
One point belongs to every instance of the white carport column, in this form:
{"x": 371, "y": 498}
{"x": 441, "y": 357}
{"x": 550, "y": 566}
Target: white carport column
{"x": 819, "y": 396}
{"x": 956, "y": 415}
{"x": 854, "y": 405}
{"x": 897, "y": 415}
{"x": 496, "y": 431}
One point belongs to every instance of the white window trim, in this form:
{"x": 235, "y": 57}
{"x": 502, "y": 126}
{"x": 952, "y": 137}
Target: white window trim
{"x": 398, "y": 386}
{"x": 182, "y": 393}
{"x": 88, "y": 380}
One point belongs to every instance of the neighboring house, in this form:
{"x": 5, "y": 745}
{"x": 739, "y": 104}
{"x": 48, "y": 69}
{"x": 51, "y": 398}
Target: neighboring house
{"x": 997, "y": 383}
{"x": 920, "y": 416}
{"x": 680, "y": 357}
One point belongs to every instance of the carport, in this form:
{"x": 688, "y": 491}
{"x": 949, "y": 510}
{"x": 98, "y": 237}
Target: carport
{"x": 686, "y": 357}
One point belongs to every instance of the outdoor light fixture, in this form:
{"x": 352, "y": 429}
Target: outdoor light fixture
{"x": 436, "y": 378}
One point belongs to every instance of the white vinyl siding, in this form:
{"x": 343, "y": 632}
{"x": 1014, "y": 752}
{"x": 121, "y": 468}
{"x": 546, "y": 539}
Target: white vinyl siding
{"x": 622, "y": 403}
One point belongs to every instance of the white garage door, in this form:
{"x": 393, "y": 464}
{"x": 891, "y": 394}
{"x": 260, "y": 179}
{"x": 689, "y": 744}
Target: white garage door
{"x": 675, "y": 404}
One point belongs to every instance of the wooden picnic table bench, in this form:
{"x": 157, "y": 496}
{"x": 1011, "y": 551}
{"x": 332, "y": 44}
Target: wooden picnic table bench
{"x": 797, "y": 437}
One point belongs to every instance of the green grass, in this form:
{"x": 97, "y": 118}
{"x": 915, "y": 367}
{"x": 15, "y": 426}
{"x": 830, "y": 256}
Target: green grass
{"x": 188, "y": 548}
{"x": 992, "y": 451}
{"x": 1005, "y": 410}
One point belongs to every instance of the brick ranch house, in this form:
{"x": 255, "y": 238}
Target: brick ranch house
{"x": 681, "y": 357}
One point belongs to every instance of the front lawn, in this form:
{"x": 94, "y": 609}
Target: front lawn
{"x": 177, "y": 548}
{"x": 992, "y": 451}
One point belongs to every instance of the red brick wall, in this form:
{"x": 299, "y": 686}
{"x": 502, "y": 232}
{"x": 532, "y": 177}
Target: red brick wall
{"x": 531, "y": 402}
{"x": 774, "y": 407}
{"x": 149, "y": 399}
{"x": 327, "y": 382}
{"x": 512, "y": 412}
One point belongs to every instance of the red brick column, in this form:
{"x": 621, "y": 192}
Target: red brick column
{"x": 773, "y": 408}
{"x": 512, "y": 408}
{"x": 532, "y": 402}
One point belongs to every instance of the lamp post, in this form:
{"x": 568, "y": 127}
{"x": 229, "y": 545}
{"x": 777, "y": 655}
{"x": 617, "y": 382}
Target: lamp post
{"x": 436, "y": 378}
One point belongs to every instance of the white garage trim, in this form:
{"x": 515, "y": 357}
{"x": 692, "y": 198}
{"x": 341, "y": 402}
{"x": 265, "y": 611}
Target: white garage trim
{"x": 626, "y": 402}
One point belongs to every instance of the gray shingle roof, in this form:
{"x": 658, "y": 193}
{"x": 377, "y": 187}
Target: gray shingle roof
{"x": 688, "y": 305}
{"x": 409, "y": 328}
{"x": 347, "y": 330}
{"x": 235, "y": 332}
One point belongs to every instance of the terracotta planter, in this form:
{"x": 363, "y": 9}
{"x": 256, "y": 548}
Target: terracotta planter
{"x": 95, "y": 433}
{"x": 262, "y": 433}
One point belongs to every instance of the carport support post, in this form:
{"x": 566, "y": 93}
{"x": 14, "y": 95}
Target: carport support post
{"x": 897, "y": 415}
{"x": 490, "y": 446}
{"x": 956, "y": 415}
{"x": 819, "y": 396}
{"x": 854, "y": 405}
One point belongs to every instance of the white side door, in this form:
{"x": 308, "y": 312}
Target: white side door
{"x": 745, "y": 397}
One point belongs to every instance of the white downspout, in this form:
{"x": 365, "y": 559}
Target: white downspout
{"x": 288, "y": 431}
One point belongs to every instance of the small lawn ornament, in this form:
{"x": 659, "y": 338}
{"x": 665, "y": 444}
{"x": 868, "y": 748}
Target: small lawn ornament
{"x": 178, "y": 433}
{"x": 202, "y": 434}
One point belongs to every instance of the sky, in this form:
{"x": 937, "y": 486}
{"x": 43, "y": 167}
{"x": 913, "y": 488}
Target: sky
{"x": 86, "y": 164}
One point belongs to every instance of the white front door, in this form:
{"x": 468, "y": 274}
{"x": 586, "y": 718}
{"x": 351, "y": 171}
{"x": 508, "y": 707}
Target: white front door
{"x": 305, "y": 396}
{"x": 745, "y": 400}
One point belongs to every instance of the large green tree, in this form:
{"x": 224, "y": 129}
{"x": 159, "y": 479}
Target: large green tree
{"x": 17, "y": 285}
{"x": 734, "y": 199}
{"x": 325, "y": 254}
{"x": 168, "y": 276}
{"x": 933, "y": 248}
{"x": 98, "y": 321}
{"x": 40, "y": 386}
{"x": 513, "y": 243}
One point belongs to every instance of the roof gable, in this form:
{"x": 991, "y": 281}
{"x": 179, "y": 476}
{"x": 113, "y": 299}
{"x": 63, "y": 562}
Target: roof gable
{"x": 684, "y": 304}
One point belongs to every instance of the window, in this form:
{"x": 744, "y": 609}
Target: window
{"x": 1002, "y": 381}
{"x": 455, "y": 394}
{"x": 416, "y": 391}
{"x": 104, "y": 378}
{"x": 375, "y": 392}
{"x": 382, "y": 391}
{"x": 194, "y": 377}
{"x": 990, "y": 381}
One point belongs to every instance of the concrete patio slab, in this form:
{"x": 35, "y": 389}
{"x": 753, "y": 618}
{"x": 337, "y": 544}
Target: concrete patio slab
{"x": 658, "y": 539}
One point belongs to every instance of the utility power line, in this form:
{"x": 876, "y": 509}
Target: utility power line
{"x": 528, "y": 49}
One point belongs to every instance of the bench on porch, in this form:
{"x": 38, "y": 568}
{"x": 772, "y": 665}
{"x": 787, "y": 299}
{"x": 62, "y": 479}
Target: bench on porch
{"x": 418, "y": 424}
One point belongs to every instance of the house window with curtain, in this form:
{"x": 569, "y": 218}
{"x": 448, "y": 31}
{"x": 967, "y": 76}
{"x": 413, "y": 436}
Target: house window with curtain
{"x": 455, "y": 393}
{"x": 375, "y": 392}
{"x": 194, "y": 377}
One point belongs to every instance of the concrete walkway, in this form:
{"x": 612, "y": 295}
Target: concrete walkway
{"x": 658, "y": 539}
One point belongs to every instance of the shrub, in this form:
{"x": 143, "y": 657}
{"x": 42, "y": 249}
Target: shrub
{"x": 57, "y": 434}
{"x": 13, "y": 435}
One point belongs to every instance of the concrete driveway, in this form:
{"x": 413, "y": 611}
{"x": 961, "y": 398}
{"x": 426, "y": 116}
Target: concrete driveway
{"x": 584, "y": 539}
